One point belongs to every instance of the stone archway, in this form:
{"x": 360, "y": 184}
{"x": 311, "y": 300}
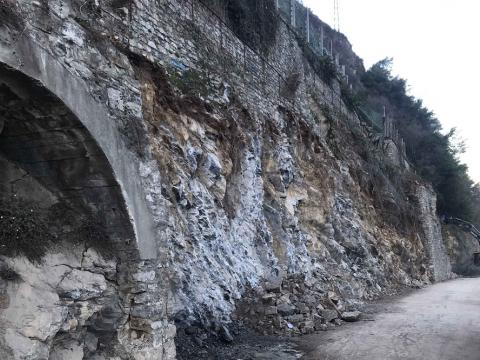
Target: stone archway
{"x": 50, "y": 160}
{"x": 65, "y": 167}
{"x": 34, "y": 63}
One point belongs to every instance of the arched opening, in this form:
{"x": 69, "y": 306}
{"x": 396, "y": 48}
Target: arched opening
{"x": 52, "y": 164}
{"x": 66, "y": 237}
{"x": 51, "y": 161}
{"x": 40, "y": 66}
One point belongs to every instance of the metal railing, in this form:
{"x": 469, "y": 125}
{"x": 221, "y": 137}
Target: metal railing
{"x": 465, "y": 226}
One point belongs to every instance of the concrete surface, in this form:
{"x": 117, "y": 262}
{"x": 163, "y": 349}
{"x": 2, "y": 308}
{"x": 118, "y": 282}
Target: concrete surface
{"x": 441, "y": 322}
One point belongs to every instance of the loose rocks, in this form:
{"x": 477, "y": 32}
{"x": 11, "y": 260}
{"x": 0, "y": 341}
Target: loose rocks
{"x": 351, "y": 316}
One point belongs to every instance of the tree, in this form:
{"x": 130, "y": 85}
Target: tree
{"x": 434, "y": 154}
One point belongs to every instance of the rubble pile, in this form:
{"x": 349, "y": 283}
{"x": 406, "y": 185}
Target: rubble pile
{"x": 295, "y": 306}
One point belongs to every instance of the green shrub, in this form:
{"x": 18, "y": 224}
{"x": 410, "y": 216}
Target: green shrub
{"x": 254, "y": 21}
{"x": 322, "y": 65}
{"x": 433, "y": 154}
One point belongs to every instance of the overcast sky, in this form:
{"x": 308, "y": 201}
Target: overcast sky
{"x": 435, "y": 45}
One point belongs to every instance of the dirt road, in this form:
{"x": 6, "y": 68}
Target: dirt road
{"x": 441, "y": 322}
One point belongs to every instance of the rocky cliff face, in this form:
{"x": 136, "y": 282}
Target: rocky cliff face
{"x": 270, "y": 202}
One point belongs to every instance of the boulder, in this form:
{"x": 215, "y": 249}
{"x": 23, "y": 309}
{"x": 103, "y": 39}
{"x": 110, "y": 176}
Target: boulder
{"x": 273, "y": 285}
{"x": 351, "y": 316}
{"x": 271, "y": 310}
{"x": 286, "y": 309}
{"x": 307, "y": 327}
{"x": 269, "y": 299}
{"x": 333, "y": 297}
{"x": 303, "y": 308}
{"x": 328, "y": 315}
{"x": 295, "y": 319}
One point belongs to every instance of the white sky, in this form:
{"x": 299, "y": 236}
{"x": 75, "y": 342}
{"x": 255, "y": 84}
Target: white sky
{"x": 435, "y": 45}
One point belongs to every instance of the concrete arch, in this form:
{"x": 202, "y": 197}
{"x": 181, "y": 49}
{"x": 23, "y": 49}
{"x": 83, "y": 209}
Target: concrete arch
{"x": 30, "y": 59}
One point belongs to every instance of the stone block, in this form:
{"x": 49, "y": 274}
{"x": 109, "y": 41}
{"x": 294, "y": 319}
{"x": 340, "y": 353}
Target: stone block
{"x": 286, "y": 309}
{"x": 329, "y": 315}
{"x": 351, "y": 316}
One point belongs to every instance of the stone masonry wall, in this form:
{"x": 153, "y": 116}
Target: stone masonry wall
{"x": 440, "y": 262}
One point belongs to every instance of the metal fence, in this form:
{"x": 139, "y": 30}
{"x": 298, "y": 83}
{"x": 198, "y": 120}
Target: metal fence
{"x": 312, "y": 30}
{"x": 306, "y": 25}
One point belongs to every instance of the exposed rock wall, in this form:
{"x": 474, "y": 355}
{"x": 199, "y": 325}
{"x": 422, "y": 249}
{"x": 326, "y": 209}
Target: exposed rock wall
{"x": 257, "y": 177}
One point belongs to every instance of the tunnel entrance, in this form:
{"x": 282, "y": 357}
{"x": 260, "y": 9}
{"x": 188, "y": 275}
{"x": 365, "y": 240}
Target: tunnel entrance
{"x": 53, "y": 169}
{"x": 67, "y": 244}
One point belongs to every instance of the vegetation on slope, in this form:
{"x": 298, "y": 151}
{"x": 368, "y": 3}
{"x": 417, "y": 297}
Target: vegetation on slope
{"x": 433, "y": 154}
{"x": 29, "y": 230}
{"x": 253, "y": 21}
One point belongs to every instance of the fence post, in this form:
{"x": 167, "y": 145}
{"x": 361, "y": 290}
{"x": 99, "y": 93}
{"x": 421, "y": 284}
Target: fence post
{"x": 321, "y": 40}
{"x": 308, "y": 26}
{"x": 293, "y": 12}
